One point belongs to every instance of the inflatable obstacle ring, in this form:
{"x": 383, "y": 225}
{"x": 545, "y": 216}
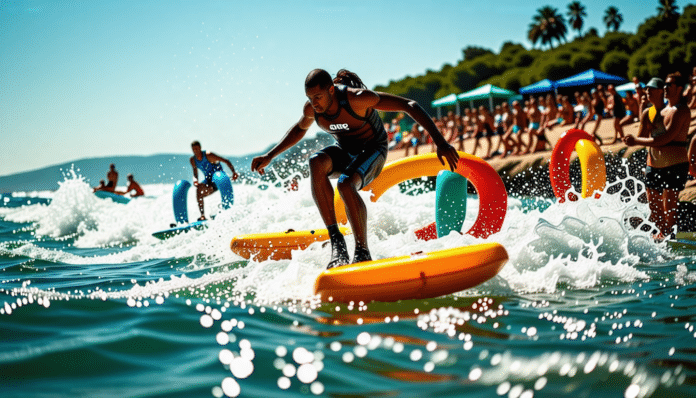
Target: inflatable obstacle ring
{"x": 450, "y": 202}
{"x": 180, "y": 206}
{"x": 488, "y": 184}
{"x": 492, "y": 198}
{"x": 416, "y": 276}
{"x": 594, "y": 173}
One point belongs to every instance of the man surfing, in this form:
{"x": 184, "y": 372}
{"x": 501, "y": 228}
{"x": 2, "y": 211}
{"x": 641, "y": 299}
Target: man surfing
{"x": 346, "y": 109}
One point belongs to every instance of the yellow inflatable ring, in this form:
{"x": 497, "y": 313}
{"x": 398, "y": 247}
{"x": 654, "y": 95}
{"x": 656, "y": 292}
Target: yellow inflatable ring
{"x": 488, "y": 184}
{"x": 594, "y": 173}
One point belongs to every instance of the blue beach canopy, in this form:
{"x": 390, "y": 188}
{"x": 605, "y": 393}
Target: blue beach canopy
{"x": 543, "y": 86}
{"x": 588, "y": 77}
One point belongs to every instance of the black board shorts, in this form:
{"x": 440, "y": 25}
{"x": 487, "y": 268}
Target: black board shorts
{"x": 368, "y": 163}
{"x": 670, "y": 177}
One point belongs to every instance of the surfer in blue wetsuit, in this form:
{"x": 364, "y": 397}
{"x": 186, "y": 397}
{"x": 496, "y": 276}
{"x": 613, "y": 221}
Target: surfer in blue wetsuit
{"x": 346, "y": 109}
{"x": 208, "y": 163}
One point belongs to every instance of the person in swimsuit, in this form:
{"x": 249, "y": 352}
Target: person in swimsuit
{"x": 690, "y": 90}
{"x": 664, "y": 130}
{"x": 346, "y": 109}
{"x": 111, "y": 179}
{"x": 551, "y": 114}
{"x": 534, "y": 115}
{"x": 595, "y": 111}
{"x": 616, "y": 107}
{"x": 479, "y": 131}
{"x": 208, "y": 163}
{"x": 632, "y": 110}
{"x": 518, "y": 123}
{"x": 132, "y": 186}
{"x": 99, "y": 187}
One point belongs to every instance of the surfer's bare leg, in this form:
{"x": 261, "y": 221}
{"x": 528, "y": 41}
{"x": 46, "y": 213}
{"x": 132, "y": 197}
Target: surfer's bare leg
{"x": 357, "y": 214}
{"x": 202, "y": 190}
{"x": 320, "y": 167}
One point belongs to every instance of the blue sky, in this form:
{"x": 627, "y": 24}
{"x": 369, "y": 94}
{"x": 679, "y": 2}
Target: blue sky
{"x": 82, "y": 79}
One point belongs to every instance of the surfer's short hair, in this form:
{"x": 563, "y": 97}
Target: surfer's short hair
{"x": 196, "y": 143}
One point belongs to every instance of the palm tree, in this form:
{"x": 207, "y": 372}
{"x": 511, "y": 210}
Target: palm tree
{"x": 576, "y": 14}
{"x": 547, "y": 25}
{"x": 613, "y": 18}
{"x": 667, "y": 9}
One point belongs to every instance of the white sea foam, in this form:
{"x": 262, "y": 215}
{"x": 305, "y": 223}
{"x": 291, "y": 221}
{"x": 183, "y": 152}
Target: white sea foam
{"x": 578, "y": 244}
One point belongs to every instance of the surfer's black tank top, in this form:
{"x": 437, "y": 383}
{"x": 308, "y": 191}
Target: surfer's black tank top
{"x": 353, "y": 132}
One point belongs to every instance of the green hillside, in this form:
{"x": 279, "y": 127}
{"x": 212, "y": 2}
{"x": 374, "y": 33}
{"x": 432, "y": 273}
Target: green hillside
{"x": 663, "y": 43}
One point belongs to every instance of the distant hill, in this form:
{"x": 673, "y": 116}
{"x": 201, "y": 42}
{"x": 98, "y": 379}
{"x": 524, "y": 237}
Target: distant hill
{"x": 164, "y": 168}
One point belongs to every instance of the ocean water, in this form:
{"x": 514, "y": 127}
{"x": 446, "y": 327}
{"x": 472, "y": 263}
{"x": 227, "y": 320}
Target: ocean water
{"x": 91, "y": 305}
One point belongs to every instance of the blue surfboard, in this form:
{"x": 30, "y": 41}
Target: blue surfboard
{"x": 450, "y": 202}
{"x": 168, "y": 233}
{"x": 115, "y": 197}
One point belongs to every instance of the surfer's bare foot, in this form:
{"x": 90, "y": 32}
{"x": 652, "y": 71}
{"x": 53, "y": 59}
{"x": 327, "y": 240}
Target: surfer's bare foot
{"x": 201, "y": 218}
{"x": 339, "y": 253}
{"x": 361, "y": 254}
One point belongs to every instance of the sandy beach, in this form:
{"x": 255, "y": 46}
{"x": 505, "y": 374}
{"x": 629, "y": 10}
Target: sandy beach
{"x": 515, "y": 164}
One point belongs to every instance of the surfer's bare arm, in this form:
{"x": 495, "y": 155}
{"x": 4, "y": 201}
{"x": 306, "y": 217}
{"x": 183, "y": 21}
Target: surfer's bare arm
{"x": 292, "y": 137}
{"x": 215, "y": 158}
{"x": 195, "y": 171}
{"x": 395, "y": 103}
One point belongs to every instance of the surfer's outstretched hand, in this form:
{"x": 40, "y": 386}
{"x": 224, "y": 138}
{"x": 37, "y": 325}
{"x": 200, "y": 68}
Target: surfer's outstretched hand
{"x": 447, "y": 152}
{"x": 259, "y": 163}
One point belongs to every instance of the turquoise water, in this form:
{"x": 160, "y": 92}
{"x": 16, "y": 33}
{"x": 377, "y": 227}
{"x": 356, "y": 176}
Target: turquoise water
{"x": 91, "y": 305}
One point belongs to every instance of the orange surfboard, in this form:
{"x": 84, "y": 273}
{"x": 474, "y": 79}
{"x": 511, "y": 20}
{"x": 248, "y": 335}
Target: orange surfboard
{"x": 415, "y": 276}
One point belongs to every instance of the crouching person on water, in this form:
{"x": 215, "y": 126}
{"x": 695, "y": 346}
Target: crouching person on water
{"x": 346, "y": 109}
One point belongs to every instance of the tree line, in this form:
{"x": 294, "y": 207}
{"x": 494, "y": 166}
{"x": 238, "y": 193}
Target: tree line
{"x": 663, "y": 43}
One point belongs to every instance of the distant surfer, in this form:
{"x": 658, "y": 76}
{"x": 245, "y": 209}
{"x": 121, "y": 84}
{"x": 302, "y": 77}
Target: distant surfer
{"x": 132, "y": 186}
{"x": 99, "y": 187}
{"x": 346, "y": 109}
{"x": 208, "y": 163}
{"x": 111, "y": 178}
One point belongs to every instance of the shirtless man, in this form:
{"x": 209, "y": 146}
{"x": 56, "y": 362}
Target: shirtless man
{"x": 664, "y": 130}
{"x": 616, "y": 107}
{"x": 512, "y": 139}
{"x": 485, "y": 129}
{"x": 208, "y": 163}
{"x": 132, "y": 186}
{"x": 111, "y": 178}
{"x": 99, "y": 187}
{"x": 467, "y": 128}
{"x": 692, "y": 91}
{"x": 534, "y": 116}
{"x": 632, "y": 110}
{"x": 640, "y": 96}
{"x": 596, "y": 112}
{"x": 346, "y": 109}
{"x": 551, "y": 114}
{"x": 567, "y": 113}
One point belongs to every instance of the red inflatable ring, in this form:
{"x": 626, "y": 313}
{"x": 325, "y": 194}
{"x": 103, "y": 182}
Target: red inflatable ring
{"x": 594, "y": 173}
{"x": 488, "y": 184}
{"x": 492, "y": 198}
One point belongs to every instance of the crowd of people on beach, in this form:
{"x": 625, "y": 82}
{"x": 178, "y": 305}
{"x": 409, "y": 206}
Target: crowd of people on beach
{"x": 521, "y": 126}
{"x": 662, "y": 107}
